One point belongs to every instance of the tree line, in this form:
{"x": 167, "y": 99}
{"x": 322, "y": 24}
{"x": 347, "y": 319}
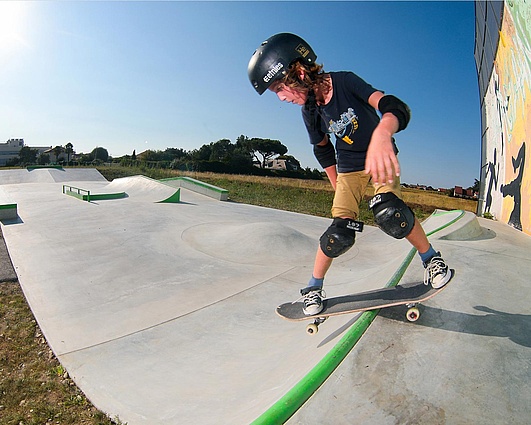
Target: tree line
{"x": 246, "y": 156}
{"x": 60, "y": 155}
{"x": 253, "y": 156}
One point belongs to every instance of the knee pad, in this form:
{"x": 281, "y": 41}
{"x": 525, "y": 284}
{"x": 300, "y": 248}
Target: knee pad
{"x": 392, "y": 215}
{"x": 339, "y": 237}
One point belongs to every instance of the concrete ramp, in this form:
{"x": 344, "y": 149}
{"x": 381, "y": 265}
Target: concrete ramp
{"x": 251, "y": 243}
{"x": 469, "y": 230}
{"x": 141, "y": 188}
{"x": 166, "y": 315}
{"x": 49, "y": 175}
{"x": 199, "y": 187}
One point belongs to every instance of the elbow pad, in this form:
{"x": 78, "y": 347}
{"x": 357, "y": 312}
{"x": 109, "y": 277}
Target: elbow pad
{"x": 325, "y": 155}
{"x": 395, "y": 106}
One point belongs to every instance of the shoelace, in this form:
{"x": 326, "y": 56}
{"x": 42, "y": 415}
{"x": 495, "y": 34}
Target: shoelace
{"x": 312, "y": 297}
{"x": 436, "y": 266}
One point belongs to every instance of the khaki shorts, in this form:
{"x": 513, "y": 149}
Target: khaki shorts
{"x": 350, "y": 189}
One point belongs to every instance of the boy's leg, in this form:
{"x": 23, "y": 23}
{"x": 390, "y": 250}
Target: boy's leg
{"x": 350, "y": 189}
{"x": 418, "y": 238}
{"x": 436, "y": 271}
{"x": 321, "y": 264}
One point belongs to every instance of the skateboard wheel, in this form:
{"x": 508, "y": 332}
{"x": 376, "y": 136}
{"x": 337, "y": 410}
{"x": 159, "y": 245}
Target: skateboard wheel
{"x": 312, "y": 329}
{"x": 413, "y": 314}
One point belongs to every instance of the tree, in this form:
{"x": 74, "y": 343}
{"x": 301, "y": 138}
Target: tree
{"x": 43, "y": 159}
{"x": 69, "y": 149}
{"x": 266, "y": 148}
{"x": 202, "y": 154}
{"x": 100, "y": 154}
{"x": 171, "y": 154}
{"x": 27, "y": 155}
{"x": 151, "y": 155}
{"x": 58, "y": 150}
{"x": 243, "y": 144}
{"x": 221, "y": 150}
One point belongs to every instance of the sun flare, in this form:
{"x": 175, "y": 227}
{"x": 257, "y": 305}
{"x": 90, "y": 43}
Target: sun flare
{"x": 13, "y": 25}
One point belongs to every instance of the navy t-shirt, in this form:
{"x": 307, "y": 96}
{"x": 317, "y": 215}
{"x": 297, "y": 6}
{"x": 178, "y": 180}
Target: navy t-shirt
{"x": 349, "y": 116}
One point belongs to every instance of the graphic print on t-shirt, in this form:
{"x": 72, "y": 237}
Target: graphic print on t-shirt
{"x": 345, "y": 126}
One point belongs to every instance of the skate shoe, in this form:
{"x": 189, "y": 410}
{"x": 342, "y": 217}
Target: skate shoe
{"x": 312, "y": 297}
{"x": 436, "y": 272}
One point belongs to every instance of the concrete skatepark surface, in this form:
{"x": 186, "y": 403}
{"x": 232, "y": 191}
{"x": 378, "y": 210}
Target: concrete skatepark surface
{"x": 164, "y": 313}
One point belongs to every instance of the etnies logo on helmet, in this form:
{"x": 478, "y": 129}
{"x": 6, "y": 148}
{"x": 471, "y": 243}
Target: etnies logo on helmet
{"x": 272, "y": 72}
{"x": 302, "y": 50}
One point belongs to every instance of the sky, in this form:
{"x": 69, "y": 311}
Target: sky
{"x": 154, "y": 75}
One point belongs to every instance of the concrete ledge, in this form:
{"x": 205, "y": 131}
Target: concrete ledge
{"x": 198, "y": 187}
{"x": 8, "y": 211}
{"x": 41, "y": 167}
{"x": 8, "y": 208}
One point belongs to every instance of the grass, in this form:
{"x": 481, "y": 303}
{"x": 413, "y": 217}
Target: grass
{"x": 34, "y": 386}
{"x": 312, "y": 197}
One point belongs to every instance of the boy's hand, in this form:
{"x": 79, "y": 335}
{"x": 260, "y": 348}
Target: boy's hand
{"x": 381, "y": 162}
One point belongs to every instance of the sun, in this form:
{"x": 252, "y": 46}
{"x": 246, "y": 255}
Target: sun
{"x": 13, "y": 25}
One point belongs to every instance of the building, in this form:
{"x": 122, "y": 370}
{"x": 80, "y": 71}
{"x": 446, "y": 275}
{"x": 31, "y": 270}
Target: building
{"x": 503, "y": 37}
{"x": 10, "y": 150}
{"x": 459, "y": 192}
{"x": 281, "y": 164}
{"x": 62, "y": 156}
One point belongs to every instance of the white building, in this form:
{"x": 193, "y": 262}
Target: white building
{"x": 11, "y": 149}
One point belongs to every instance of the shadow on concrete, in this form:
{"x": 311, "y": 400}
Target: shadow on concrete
{"x": 339, "y": 331}
{"x": 516, "y": 327}
{"x": 10, "y": 221}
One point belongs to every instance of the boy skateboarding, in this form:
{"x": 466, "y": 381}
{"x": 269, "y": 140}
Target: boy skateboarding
{"x": 344, "y": 105}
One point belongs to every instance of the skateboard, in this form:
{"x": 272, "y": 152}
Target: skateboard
{"x": 409, "y": 294}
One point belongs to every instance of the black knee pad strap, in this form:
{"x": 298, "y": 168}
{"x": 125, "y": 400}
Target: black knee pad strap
{"x": 339, "y": 237}
{"x": 392, "y": 215}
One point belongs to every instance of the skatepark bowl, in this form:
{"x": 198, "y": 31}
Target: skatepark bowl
{"x": 161, "y": 304}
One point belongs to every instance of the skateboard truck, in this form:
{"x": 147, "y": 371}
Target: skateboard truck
{"x": 412, "y": 315}
{"x": 313, "y": 327}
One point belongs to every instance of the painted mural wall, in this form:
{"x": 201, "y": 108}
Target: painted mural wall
{"x": 506, "y": 172}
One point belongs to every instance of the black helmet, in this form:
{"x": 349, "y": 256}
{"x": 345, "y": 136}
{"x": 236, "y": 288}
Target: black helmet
{"x": 271, "y": 60}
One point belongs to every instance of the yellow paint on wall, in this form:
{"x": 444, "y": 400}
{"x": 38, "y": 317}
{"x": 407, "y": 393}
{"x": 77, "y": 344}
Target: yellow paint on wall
{"x": 514, "y": 72}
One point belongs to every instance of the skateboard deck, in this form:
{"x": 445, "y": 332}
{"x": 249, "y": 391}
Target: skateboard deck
{"x": 409, "y": 294}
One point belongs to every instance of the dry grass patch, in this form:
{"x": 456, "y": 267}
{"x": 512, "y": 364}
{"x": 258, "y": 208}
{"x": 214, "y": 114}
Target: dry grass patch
{"x": 34, "y": 388}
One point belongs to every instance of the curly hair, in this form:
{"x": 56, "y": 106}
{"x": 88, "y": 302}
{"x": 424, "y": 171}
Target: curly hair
{"x": 314, "y": 78}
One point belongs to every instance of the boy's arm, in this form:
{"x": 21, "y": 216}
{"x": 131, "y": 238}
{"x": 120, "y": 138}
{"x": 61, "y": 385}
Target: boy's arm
{"x": 326, "y": 156}
{"x": 381, "y": 162}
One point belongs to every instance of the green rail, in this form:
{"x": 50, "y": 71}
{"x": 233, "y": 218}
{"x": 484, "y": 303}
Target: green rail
{"x": 85, "y": 195}
{"x": 76, "y": 192}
